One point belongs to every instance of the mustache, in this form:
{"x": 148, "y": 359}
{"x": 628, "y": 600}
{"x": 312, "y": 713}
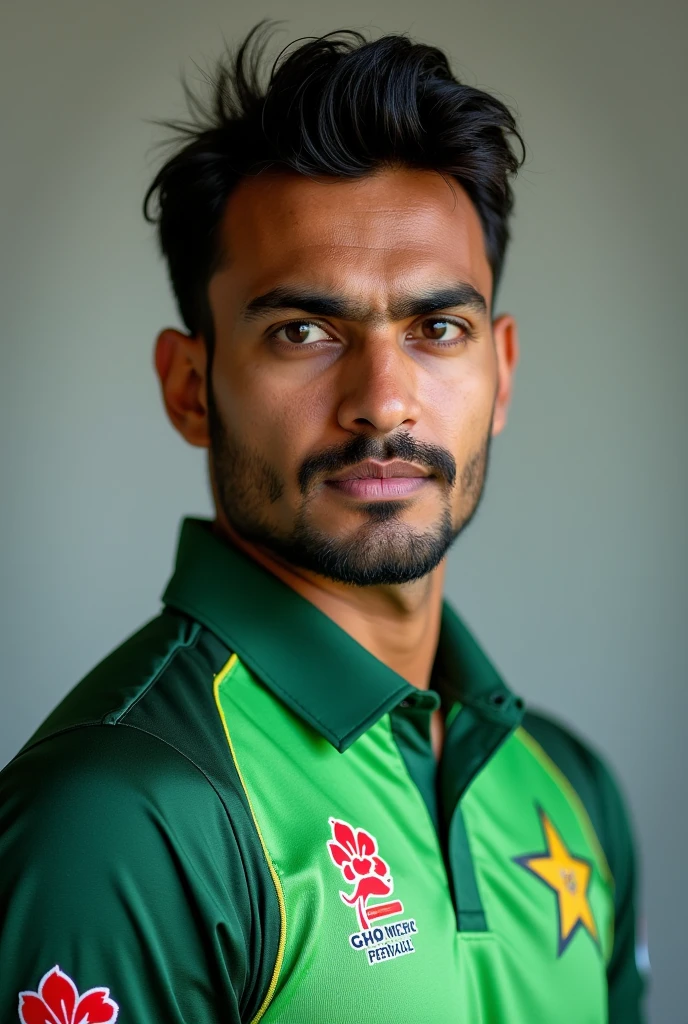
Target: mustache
{"x": 398, "y": 446}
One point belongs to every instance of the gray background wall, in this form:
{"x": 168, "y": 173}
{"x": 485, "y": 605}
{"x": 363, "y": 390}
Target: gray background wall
{"x": 574, "y": 573}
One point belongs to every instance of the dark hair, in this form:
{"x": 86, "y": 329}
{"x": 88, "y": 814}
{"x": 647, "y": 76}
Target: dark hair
{"x": 336, "y": 106}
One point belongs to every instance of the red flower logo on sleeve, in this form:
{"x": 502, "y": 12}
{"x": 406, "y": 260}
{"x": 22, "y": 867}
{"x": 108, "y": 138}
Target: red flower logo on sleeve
{"x": 58, "y": 1002}
{"x": 354, "y": 851}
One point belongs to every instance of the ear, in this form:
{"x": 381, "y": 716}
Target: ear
{"x": 180, "y": 363}
{"x": 505, "y": 334}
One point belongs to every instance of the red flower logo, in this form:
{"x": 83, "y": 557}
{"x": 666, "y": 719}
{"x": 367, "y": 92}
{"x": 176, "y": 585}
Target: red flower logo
{"x": 354, "y": 851}
{"x": 58, "y": 1002}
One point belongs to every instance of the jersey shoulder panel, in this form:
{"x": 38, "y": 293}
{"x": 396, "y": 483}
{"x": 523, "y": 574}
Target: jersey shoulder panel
{"x": 122, "y": 677}
{"x": 584, "y": 769}
{"x": 159, "y": 680}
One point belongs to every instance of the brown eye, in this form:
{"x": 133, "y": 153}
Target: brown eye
{"x": 441, "y": 330}
{"x": 301, "y": 332}
{"x": 296, "y": 332}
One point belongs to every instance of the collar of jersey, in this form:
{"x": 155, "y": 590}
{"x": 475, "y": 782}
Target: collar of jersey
{"x": 315, "y": 667}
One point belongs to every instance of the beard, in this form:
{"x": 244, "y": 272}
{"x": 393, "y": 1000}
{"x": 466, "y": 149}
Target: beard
{"x": 383, "y": 549}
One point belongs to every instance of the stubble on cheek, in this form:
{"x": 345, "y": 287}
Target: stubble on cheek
{"x": 470, "y": 486}
{"x": 255, "y": 476}
{"x": 473, "y": 474}
{"x": 246, "y": 482}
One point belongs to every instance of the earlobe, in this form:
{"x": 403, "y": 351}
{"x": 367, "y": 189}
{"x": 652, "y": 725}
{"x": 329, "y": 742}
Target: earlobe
{"x": 505, "y": 334}
{"x": 180, "y": 363}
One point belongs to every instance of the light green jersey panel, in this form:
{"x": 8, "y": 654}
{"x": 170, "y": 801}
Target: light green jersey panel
{"x": 300, "y": 786}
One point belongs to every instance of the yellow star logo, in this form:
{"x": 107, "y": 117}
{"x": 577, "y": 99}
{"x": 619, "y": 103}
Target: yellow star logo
{"x": 569, "y": 878}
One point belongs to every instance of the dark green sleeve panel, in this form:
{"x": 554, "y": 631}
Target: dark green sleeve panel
{"x": 118, "y": 862}
{"x": 600, "y": 795}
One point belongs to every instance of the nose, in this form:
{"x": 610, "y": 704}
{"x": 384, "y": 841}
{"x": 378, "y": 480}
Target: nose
{"x": 379, "y": 388}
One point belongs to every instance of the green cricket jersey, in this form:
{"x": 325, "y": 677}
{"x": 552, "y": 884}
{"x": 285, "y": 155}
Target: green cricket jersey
{"x": 237, "y": 816}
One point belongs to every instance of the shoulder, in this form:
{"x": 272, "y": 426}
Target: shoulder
{"x": 99, "y": 792}
{"x": 95, "y": 755}
{"x": 148, "y": 702}
{"x": 138, "y": 748}
{"x": 145, "y": 662}
{"x": 592, "y": 779}
{"x": 572, "y": 754}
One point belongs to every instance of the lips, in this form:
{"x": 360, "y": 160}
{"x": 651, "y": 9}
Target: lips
{"x": 373, "y": 480}
{"x": 381, "y": 471}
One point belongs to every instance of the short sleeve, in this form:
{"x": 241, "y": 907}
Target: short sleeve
{"x": 120, "y": 885}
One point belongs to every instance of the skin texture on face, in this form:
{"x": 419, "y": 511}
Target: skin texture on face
{"x": 352, "y": 323}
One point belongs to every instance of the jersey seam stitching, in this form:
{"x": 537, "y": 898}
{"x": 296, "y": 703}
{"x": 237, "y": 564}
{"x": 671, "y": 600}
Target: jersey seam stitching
{"x": 154, "y": 736}
{"x": 117, "y": 718}
{"x": 97, "y": 723}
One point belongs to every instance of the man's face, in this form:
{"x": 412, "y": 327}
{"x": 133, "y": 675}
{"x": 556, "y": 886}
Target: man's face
{"x": 355, "y": 381}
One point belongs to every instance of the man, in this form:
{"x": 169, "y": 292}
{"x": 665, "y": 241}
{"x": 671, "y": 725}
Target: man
{"x": 302, "y": 793}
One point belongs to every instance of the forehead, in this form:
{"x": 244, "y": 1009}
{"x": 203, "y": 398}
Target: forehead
{"x": 372, "y": 237}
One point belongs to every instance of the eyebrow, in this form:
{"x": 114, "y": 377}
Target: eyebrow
{"x": 461, "y": 295}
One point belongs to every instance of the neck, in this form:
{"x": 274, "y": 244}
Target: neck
{"x": 399, "y": 624}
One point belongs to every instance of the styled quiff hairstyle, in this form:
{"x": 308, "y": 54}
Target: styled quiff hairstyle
{"x": 336, "y": 106}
